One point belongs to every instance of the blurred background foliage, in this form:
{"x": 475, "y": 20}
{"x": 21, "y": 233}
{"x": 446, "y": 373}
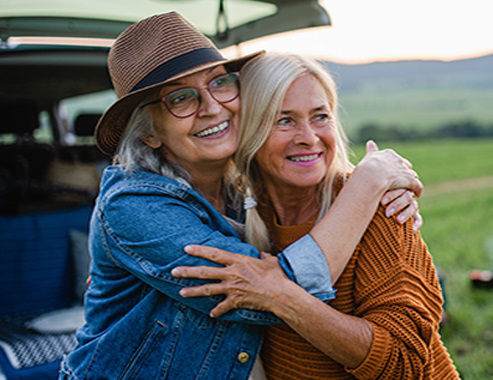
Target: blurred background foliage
{"x": 457, "y": 207}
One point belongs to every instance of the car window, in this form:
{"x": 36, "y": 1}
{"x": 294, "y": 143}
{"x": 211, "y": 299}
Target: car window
{"x": 42, "y": 134}
{"x": 74, "y": 108}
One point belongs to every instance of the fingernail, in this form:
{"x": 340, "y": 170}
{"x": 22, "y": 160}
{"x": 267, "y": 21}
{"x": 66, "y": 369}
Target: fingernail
{"x": 390, "y": 212}
{"x": 188, "y": 248}
{"x": 175, "y": 272}
{"x": 400, "y": 219}
{"x": 183, "y": 292}
{"x": 211, "y": 314}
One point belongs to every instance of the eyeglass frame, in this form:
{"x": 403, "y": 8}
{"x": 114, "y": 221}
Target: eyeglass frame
{"x": 162, "y": 99}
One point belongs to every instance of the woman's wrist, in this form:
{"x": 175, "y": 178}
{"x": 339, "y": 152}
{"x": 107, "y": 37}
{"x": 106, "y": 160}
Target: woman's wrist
{"x": 287, "y": 302}
{"x": 371, "y": 179}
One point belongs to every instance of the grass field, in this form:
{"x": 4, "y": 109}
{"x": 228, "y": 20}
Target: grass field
{"x": 458, "y": 229}
{"x": 415, "y": 108}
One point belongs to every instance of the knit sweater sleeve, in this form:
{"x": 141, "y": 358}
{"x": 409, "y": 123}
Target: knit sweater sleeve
{"x": 397, "y": 291}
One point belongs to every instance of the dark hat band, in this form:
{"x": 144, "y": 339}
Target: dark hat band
{"x": 178, "y": 65}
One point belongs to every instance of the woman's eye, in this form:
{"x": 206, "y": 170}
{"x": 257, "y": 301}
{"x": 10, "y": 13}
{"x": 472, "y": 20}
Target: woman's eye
{"x": 227, "y": 80}
{"x": 181, "y": 97}
{"x": 283, "y": 122}
{"x": 178, "y": 99}
{"x": 219, "y": 82}
{"x": 323, "y": 118}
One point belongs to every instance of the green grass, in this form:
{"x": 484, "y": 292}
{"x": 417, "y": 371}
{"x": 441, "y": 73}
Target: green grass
{"x": 439, "y": 161}
{"x": 458, "y": 229}
{"x": 459, "y": 232}
{"x": 415, "y": 108}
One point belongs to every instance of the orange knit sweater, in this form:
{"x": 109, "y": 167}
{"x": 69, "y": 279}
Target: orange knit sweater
{"x": 390, "y": 281}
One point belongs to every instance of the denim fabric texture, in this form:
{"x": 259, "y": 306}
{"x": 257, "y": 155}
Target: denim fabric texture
{"x": 305, "y": 264}
{"x": 138, "y": 326}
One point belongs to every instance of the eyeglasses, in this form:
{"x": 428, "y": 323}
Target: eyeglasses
{"x": 185, "y": 102}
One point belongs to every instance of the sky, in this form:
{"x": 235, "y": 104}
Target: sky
{"x": 378, "y": 30}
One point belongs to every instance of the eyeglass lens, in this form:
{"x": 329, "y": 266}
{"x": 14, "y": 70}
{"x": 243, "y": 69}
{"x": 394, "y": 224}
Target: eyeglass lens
{"x": 186, "y": 101}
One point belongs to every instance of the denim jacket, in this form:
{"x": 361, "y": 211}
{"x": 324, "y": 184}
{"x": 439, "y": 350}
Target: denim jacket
{"x": 137, "y": 325}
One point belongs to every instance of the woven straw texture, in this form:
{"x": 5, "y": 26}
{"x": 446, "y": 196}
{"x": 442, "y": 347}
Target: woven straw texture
{"x": 137, "y": 51}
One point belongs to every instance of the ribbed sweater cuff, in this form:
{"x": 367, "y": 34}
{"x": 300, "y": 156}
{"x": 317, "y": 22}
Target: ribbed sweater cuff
{"x": 374, "y": 362}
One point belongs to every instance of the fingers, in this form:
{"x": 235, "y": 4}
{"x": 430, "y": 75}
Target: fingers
{"x": 416, "y": 185}
{"x": 371, "y": 146}
{"x": 401, "y": 202}
{"x": 205, "y": 290}
{"x": 221, "y": 308}
{"x": 407, "y": 207}
{"x": 210, "y": 253}
{"x": 408, "y": 212}
{"x": 389, "y": 196}
{"x": 418, "y": 221}
{"x": 407, "y": 163}
{"x": 392, "y": 154}
{"x": 211, "y": 290}
{"x": 407, "y": 179}
{"x": 411, "y": 211}
{"x": 200, "y": 272}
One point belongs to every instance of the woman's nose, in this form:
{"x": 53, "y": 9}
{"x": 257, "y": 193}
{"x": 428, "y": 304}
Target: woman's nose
{"x": 208, "y": 105}
{"x": 305, "y": 134}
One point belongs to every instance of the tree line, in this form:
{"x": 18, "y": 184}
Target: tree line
{"x": 455, "y": 129}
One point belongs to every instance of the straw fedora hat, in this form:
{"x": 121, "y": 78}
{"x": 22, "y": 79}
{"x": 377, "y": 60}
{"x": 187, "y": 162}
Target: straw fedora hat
{"x": 149, "y": 53}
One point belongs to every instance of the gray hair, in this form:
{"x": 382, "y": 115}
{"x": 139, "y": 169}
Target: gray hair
{"x": 133, "y": 152}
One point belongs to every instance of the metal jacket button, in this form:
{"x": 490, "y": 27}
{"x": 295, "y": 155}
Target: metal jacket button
{"x": 243, "y": 357}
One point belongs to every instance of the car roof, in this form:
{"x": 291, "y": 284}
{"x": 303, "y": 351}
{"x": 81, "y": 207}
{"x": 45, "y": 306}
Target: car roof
{"x": 46, "y": 73}
{"x": 226, "y": 22}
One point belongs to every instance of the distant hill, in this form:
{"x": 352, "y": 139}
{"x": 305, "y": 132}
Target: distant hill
{"x": 472, "y": 73}
{"x": 415, "y": 94}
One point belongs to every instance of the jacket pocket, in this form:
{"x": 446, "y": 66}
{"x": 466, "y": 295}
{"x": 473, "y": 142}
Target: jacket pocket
{"x": 140, "y": 359}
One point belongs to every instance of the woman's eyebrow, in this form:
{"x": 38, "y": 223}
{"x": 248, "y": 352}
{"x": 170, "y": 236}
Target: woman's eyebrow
{"x": 170, "y": 84}
{"x": 212, "y": 69}
{"x": 322, "y": 107}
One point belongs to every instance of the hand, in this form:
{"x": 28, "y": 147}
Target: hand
{"x": 404, "y": 203}
{"x": 389, "y": 165}
{"x": 387, "y": 170}
{"x": 247, "y": 282}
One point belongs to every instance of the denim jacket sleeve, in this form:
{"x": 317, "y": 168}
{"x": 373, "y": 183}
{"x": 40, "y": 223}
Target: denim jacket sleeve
{"x": 304, "y": 263}
{"x": 146, "y": 235}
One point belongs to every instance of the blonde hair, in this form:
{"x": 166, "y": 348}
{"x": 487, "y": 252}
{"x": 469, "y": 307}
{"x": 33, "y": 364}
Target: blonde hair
{"x": 264, "y": 83}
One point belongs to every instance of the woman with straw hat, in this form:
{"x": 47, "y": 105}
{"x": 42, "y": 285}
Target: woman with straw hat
{"x": 172, "y": 132}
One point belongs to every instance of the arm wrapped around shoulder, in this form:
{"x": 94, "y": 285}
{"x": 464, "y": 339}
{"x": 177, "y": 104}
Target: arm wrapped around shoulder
{"x": 397, "y": 291}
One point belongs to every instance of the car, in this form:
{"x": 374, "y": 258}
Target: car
{"x": 54, "y": 87}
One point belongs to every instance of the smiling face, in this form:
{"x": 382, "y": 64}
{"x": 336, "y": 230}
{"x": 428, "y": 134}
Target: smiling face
{"x": 301, "y": 146}
{"x": 209, "y": 137}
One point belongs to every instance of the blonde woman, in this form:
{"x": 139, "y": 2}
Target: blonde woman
{"x": 292, "y": 153}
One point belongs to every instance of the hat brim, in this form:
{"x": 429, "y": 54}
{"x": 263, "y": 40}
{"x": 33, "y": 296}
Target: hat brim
{"x": 113, "y": 122}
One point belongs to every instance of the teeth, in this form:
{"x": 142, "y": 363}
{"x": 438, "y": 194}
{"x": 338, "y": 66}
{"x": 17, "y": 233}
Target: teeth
{"x": 304, "y": 158}
{"x": 210, "y": 131}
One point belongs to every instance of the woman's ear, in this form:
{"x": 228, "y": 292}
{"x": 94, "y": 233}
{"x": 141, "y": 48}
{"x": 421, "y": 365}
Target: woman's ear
{"x": 152, "y": 141}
